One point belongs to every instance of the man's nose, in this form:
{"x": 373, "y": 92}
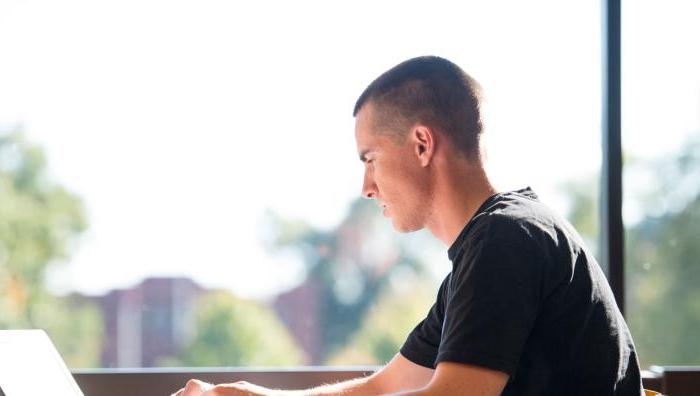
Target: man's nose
{"x": 369, "y": 189}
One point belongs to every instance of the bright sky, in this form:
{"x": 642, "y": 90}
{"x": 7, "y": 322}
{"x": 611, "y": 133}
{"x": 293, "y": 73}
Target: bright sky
{"x": 180, "y": 122}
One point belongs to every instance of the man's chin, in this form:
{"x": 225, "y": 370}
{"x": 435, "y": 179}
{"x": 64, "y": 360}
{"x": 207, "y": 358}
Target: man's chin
{"x": 404, "y": 228}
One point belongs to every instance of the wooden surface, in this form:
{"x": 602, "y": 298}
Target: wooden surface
{"x": 150, "y": 382}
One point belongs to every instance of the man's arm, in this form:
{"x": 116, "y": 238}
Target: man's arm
{"x": 462, "y": 379}
{"x": 400, "y": 374}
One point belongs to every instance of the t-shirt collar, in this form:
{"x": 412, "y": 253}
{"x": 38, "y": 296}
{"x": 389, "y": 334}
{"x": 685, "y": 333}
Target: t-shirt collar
{"x": 457, "y": 244}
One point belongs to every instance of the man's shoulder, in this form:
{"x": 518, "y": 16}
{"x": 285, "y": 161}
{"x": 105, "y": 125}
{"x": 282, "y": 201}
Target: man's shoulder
{"x": 521, "y": 219}
{"x": 507, "y": 225}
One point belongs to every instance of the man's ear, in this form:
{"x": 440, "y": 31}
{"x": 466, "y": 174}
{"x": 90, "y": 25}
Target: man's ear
{"x": 424, "y": 142}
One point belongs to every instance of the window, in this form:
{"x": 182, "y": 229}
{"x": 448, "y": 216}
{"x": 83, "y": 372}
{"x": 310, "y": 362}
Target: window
{"x": 180, "y": 183}
{"x": 661, "y": 145}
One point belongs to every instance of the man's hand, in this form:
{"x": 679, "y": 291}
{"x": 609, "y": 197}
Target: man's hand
{"x": 199, "y": 388}
{"x": 193, "y": 388}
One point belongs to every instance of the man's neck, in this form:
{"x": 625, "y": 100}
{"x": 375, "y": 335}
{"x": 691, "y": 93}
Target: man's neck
{"x": 458, "y": 194}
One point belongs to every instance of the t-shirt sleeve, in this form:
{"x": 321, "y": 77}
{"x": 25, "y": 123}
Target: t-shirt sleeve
{"x": 494, "y": 300}
{"x": 421, "y": 346}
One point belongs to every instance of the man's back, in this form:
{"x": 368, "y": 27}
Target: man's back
{"x": 527, "y": 298}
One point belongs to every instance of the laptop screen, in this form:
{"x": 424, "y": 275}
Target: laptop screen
{"x": 30, "y": 365}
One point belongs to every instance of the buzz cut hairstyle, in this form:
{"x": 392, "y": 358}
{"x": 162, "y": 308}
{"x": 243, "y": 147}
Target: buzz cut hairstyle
{"x": 431, "y": 91}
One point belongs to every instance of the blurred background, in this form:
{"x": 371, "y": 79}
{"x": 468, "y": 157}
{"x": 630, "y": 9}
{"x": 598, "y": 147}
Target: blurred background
{"x": 179, "y": 184}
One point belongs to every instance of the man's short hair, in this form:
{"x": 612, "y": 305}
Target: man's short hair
{"x": 432, "y": 91}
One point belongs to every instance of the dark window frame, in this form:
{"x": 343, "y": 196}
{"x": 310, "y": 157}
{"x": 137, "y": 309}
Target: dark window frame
{"x": 612, "y": 228}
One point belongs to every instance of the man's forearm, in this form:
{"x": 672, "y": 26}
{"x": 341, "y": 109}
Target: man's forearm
{"x": 354, "y": 387}
{"x": 414, "y": 392}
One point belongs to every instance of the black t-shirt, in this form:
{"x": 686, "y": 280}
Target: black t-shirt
{"x": 526, "y": 297}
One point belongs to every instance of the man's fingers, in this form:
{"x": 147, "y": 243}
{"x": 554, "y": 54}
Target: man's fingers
{"x": 241, "y": 388}
{"x": 200, "y": 388}
{"x": 193, "y": 387}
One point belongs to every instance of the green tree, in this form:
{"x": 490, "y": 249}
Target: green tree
{"x": 39, "y": 223}
{"x": 235, "y": 332}
{"x": 663, "y": 259}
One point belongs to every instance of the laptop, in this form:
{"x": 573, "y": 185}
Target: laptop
{"x": 30, "y": 365}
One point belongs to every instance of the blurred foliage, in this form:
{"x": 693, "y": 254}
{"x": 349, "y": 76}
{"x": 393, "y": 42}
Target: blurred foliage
{"x": 387, "y": 323}
{"x": 662, "y": 254}
{"x": 663, "y": 262}
{"x": 39, "y": 223}
{"x": 235, "y": 332}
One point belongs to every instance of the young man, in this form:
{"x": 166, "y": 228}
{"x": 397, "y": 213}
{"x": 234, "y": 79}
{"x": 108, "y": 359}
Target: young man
{"x": 526, "y": 309}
